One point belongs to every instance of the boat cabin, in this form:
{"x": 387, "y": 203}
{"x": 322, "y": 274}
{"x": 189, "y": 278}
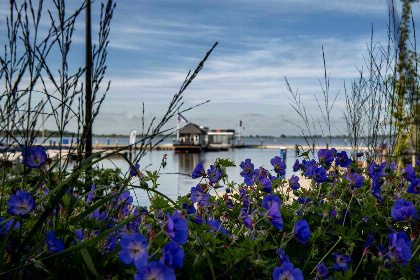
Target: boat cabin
{"x": 220, "y": 139}
{"x": 192, "y": 134}
{"x": 196, "y": 138}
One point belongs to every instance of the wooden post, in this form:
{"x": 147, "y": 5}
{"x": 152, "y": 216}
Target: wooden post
{"x": 88, "y": 76}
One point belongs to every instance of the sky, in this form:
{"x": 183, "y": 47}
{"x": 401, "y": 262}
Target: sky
{"x": 153, "y": 45}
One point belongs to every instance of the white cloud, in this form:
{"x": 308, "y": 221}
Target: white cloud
{"x": 152, "y": 49}
{"x": 253, "y": 78}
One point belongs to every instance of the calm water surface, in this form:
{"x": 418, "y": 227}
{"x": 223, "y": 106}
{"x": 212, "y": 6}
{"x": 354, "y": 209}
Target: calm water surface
{"x": 176, "y": 179}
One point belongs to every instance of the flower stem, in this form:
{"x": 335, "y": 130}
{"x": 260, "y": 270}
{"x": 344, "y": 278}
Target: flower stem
{"x": 414, "y": 253}
{"x": 310, "y": 255}
{"x": 348, "y": 207}
{"x": 361, "y": 259}
{"x": 336, "y": 243}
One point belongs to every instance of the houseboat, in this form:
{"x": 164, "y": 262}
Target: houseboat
{"x": 191, "y": 139}
{"x": 194, "y": 139}
{"x": 220, "y": 139}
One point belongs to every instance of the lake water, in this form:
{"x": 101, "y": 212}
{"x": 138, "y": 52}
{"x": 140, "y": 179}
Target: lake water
{"x": 175, "y": 179}
{"x": 246, "y": 140}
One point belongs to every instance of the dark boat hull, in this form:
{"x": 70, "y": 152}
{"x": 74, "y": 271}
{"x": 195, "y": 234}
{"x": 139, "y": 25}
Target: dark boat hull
{"x": 187, "y": 148}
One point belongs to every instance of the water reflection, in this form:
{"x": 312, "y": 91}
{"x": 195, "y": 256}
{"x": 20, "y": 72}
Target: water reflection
{"x": 176, "y": 178}
{"x": 186, "y": 163}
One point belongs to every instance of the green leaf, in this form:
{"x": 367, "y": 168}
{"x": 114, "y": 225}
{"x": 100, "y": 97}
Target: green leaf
{"x": 305, "y": 154}
{"x": 225, "y": 162}
{"x": 159, "y": 202}
{"x": 92, "y": 208}
{"x": 4, "y": 243}
{"x": 88, "y": 261}
{"x": 210, "y": 265}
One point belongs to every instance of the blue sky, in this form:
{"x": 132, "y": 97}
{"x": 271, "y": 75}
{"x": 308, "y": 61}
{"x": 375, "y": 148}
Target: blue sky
{"x": 153, "y": 44}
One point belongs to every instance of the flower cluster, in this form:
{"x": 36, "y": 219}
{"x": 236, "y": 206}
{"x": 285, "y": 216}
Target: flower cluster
{"x": 333, "y": 218}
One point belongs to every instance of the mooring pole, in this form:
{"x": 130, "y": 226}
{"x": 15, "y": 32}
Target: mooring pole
{"x": 88, "y": 95}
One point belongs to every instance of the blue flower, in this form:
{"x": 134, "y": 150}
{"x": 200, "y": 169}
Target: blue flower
{"x": 376, "y": 171}
{"x": 216, "y": 226}
{"x": 268, "y": 201}
{"x": 266, "y": 183}
{"x": 359, "y": 154}
{"x": 369, "y": 241}
{"x": 176, "y": 228}
{"x": 382, "y": 251}
{"x": 229, "y": 203}
{"x": 133, "y": 171}
{"x": 377, "y": 183}
{"x": 80, "y": 234}
{"x": 4, "y": 228}
{"x": 403, "y": 210}
{"x": 197, "y": 194}
{"x": 21, "y": 203}
{"x": 279, "y": 165}
{"x": 299, "y": 212}
{"x": 303, "y": 200}
{"x": 342, "y": 159}
{"x": 242, "y": 196}
{"x": 189, "y": 207}
{"x": 287, "y": 271}
{"x": 302, "y": 231}
{"x": 321, "y": 270}
{"x": 247, "y": 167}
{"x": 111, "y": 243}
{"x": 54, "y": 245}
{"x": 341, "y": 262}
{"x": 274, "y": 216}
{"x": 296, "y": 166}
{"x": 310, "y": 166}
{"x": 91, "y": 195}
{"x": 389, "y": 169}
{"x": 134, "y": 249}
{"x": 124, "y": 199}
{"x": 130, "y": 228}
{"x": 196, "y": 219}
{"x": 325, "y": 156}
{"x": 294, "y": 183}
{"x": 415, "y": 187}
{"x": 376, "y": 188}
{"x": 356, "y": 180}
{"x": 409, "y": 173}
{"x": 245, "y": 218}
{"x": 377, "y": 195}
{"x": 173, "y": 255}
{"x": 302, "y": 166}
{"x": 155, "y": 270}
{"x": 34, "y": 157}
{"x": 320, "y": 175}
{"x": 283, "y": 258}
{"x": 250, "y": 178}
{"x": 214, "y": 174}
{"x": 399, "y": 249}
{"x": 198, "y": 171}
